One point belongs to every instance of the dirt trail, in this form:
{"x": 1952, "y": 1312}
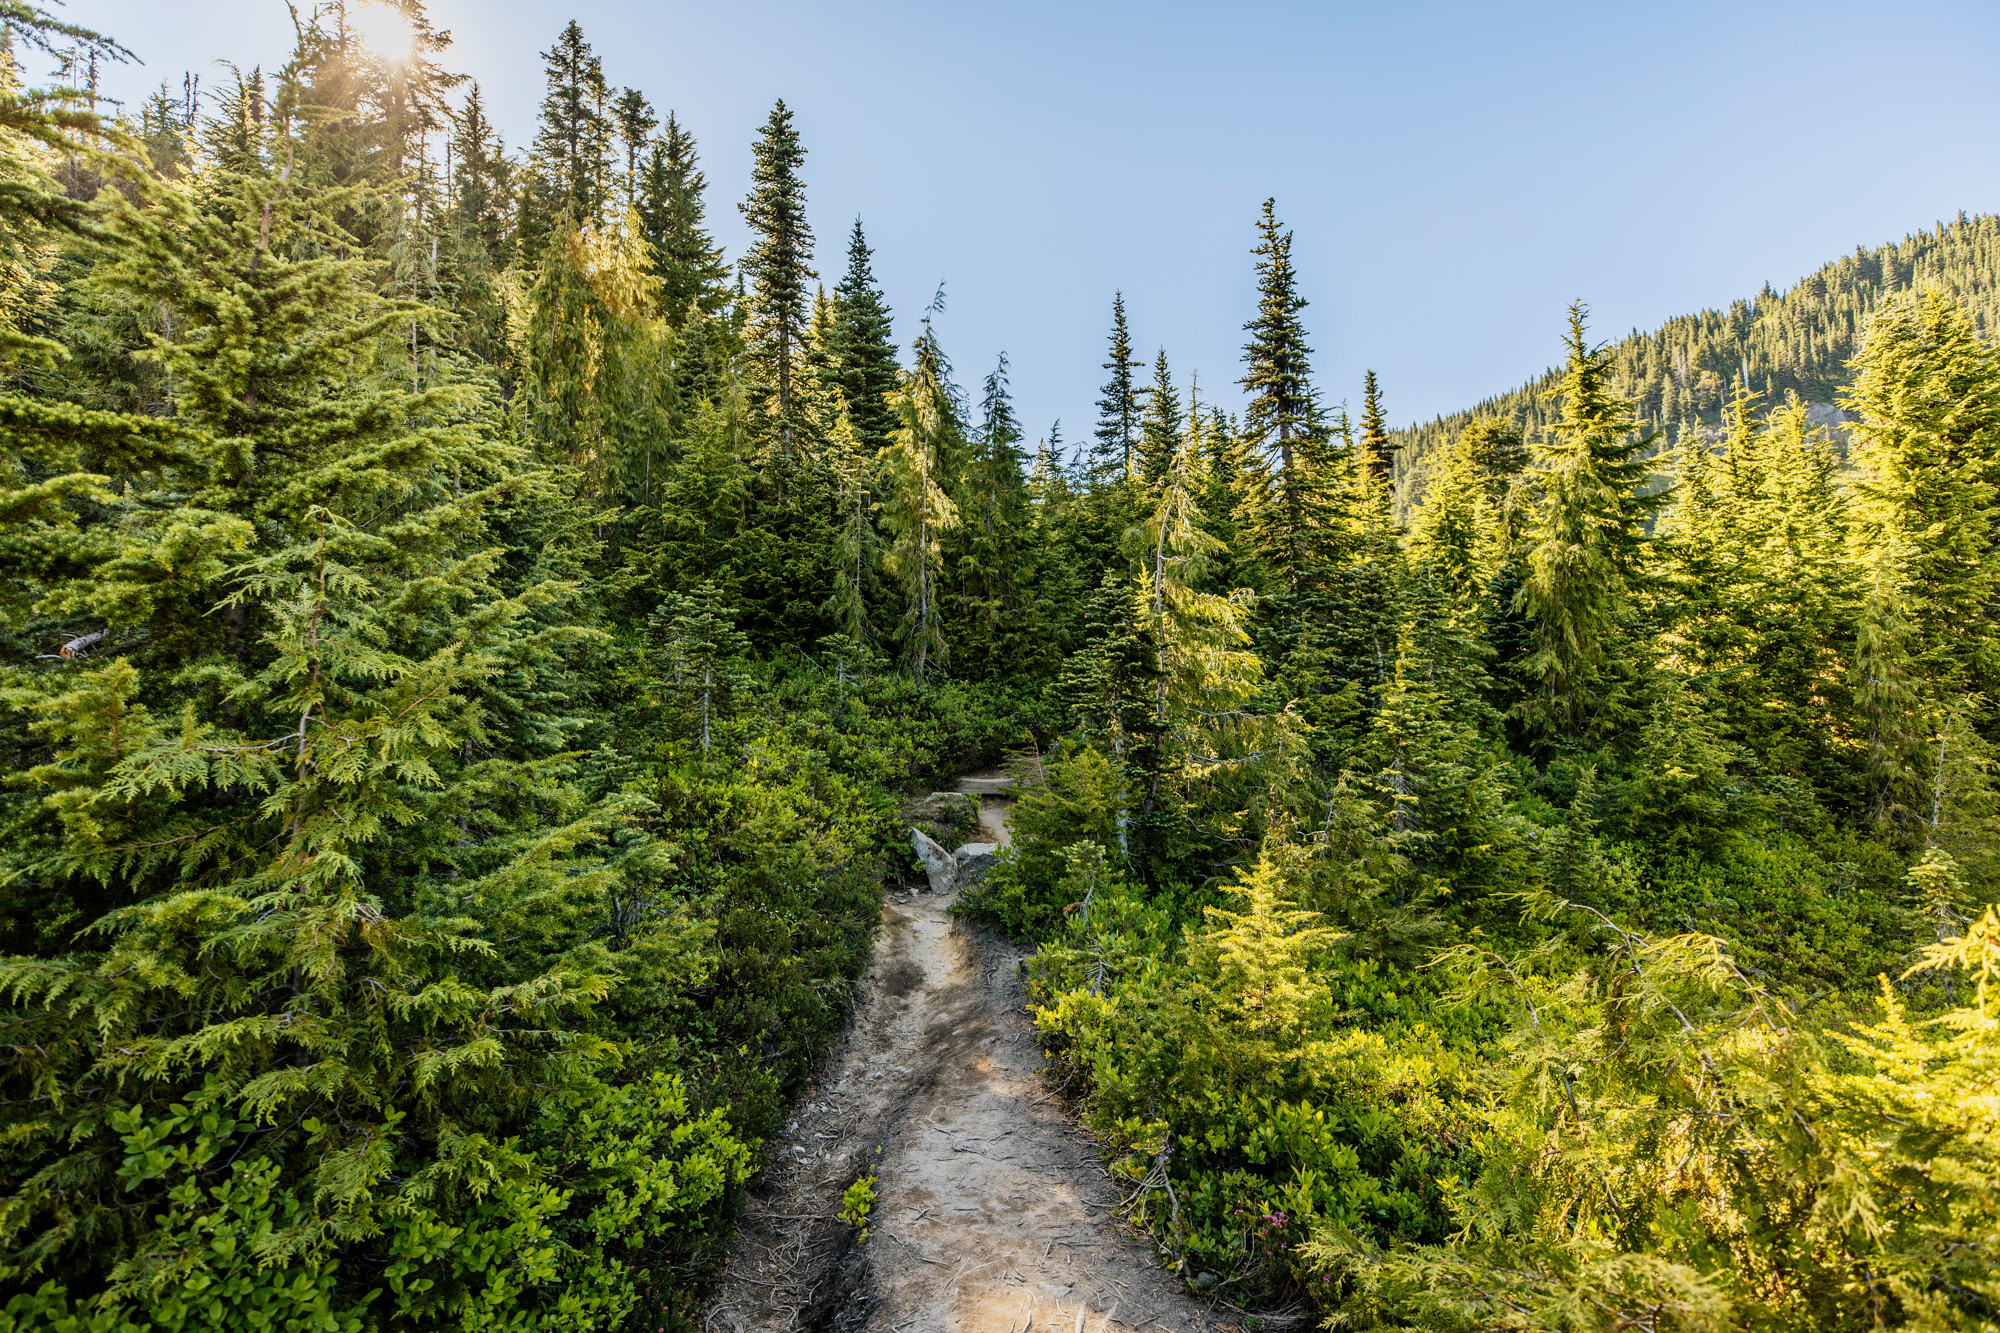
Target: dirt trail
{"x": 993, "y": 1214}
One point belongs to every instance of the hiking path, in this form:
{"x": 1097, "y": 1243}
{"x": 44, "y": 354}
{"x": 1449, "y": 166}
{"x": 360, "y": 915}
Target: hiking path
{"x": 993, "y": 1213}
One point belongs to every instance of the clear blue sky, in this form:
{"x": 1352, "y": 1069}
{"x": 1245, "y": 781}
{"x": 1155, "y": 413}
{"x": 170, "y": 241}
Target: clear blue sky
{"x": 1455, "y": 173}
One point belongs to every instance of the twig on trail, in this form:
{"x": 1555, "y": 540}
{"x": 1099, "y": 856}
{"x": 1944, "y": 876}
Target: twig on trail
{"x": 911, "y": 1248}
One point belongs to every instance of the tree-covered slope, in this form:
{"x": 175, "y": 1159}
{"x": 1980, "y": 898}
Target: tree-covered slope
{"x": 1798, "y": 340}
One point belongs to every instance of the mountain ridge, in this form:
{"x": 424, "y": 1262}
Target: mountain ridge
{"x": 1796, "y": 340}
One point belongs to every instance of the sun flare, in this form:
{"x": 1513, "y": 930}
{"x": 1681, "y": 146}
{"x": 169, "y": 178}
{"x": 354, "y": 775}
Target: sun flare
{"x": 384, "y": 29}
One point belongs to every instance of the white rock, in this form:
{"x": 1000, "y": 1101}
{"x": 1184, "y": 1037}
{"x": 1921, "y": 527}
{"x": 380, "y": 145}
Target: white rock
{"x": 939, "y": 867}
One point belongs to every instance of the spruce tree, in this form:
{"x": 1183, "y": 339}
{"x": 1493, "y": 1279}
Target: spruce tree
{"x": 636, "y": 123}
{"x": 779, "y": 263}
{"x": 1279, "y": 372}
{"x": 1118, "y": 410}
{"x": 480, "y": 228}
{"x": 864, "y": 346}
{"x": 1160, "y": 430}
{"x": 1453, "y": 536}
{"x": 990, "y": 559}
{"x": 569, "y": 164}
{"x": 482, "y": 180}
{"x": 693, "y": 278}
{"x": 1499, "y": 449}
{"x": 857, "y": 550}
{"x": 1378, "y": 451}
{"x": 700, "y": 654}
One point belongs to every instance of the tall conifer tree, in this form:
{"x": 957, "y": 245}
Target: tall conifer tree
{"x": 570, "y": 160}
{"x": 1928, "y": 392}
{"x": 917, "y": 506}
{"x": 779, "y": 262}
{"x": 1584, "y": 551}
{"x": 1279, "y": 372}
{"x": 693, "y": 276}
{"x": 991, "y": 561}
{"x": 1160, "y": 430}
{"x": 636, "y": 123}
{"x": 864, "y": 346}
{"x": 1118, "y": 410}
{"x": 1378, "y": 451}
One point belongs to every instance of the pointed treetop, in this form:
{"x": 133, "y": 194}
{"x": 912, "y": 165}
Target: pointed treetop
{"x": 1278, "y": 374}
{"x": 1118, "y": 410}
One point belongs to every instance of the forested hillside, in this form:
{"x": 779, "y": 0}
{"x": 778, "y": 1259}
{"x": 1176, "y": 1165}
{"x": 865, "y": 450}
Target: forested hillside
{"x": 1800, "y": 340}
{"x": 465, "y": 641}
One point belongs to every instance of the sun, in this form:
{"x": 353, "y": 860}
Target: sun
{"x": 385, "y": 30}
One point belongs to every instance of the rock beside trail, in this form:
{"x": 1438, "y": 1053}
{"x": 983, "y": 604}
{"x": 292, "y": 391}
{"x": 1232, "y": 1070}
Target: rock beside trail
{"x": 940, "y": 867}
{"x": 974, "y": 860}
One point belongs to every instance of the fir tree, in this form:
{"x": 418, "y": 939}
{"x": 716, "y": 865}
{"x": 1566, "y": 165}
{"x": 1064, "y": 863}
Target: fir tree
{"x": 1453, "y": 537}
{"x": 864, "y": 346}
{"x": 1118, "y": 410}
{"x": 480, "y": 229}
{"x": 857, "y": 550}
{"x": 1279, "y": 374}
{"x": 1499, "y": 449}
{"x": 693, "y": 278}
{"x": 335, "y": 816}
{"x": 636, "y": 123}
{"x": 1928, "y": 391}
{"x": 482, "y": 180}
{"x": 779, "y": 262}
{"x": 570, "y": 160}
{"x": 991, "y": 559}
{"x": 700, "y": 652}
{"x": 1160, "y": 431}
{"x": 1378, "y": 451}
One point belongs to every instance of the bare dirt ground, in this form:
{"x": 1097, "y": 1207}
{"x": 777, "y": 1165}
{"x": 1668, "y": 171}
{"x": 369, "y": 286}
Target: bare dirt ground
{"x": 993, "y": 1213}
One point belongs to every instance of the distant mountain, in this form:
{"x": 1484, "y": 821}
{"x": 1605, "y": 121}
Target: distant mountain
{"x": 1800, "y": 339}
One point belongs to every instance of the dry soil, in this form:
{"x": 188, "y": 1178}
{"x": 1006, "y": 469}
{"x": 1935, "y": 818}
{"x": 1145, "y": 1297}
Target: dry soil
{"x": 993, "y": 1214}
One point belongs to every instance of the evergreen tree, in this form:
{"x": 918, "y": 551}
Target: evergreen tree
{"x": 1928, "y": 392}
{"x": 779, "y": 263}
{"x": 706, "y": 501}
{"x": 693, "y": 277}
{"x": 1279, "y": 372}
{"x": 857, "y": 551}
{"x": 917, "y": 507}
{"x": 1118, "y": 410}
{"x": 480, "y": 231}
{"x": 482, "y": 182}
{"x": 1160, "y": 431}
{"x": 1453, "y": 537}
{"x": 864, "y": 346}
{"x": 1585, "y": 540}
{"x": 569, "y": 164}
{"x": 339, "y": 812}
{"x": 636, "y": 123}
{"x": 1500, "y": 450}
{"x": 991, "y": 560}
{"x": 700, "y": 652}
{"x": 1378, "y": 450}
